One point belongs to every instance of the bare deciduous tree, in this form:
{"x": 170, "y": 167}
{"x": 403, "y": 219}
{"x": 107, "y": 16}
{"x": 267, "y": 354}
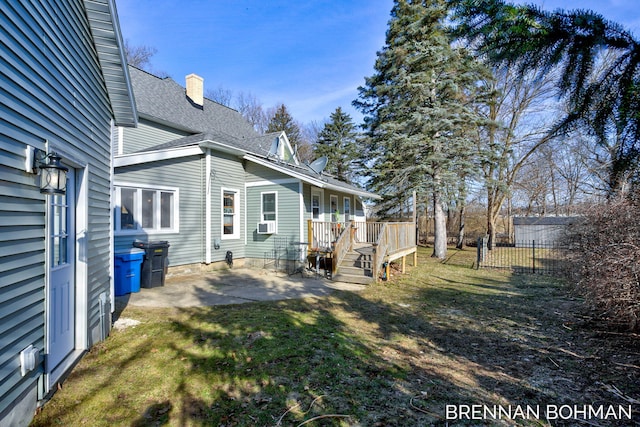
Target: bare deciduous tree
{"x": 520, "y": 115}
{"x": 251, "y": 109}
{"x": 220, "y": 95}
{"x": 139, "y": 56}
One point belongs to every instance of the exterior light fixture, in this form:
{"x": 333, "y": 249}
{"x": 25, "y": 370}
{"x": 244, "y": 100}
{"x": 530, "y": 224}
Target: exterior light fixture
{"x": 53, "y": 176}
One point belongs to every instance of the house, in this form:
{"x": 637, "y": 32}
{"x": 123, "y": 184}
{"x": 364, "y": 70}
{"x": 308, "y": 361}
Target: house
{"x": 64, "y": 85}
{"x": 543, "y": 230}
{"x": 196, "y": 174}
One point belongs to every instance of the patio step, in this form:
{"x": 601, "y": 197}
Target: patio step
{"x": 348, "y": 278}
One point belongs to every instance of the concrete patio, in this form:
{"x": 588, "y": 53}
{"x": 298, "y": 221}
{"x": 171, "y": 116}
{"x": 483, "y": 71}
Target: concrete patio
{"x": 231, "y": 286}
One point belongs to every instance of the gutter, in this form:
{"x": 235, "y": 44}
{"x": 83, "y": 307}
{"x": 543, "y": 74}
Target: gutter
{"x": 310, "y": 180}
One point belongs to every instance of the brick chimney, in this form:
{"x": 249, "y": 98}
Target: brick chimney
{"x": 195, "y": 89}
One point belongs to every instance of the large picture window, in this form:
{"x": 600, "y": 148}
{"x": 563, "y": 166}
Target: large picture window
{"x": 151, "y": 210}
{"x": 230, "y": 214}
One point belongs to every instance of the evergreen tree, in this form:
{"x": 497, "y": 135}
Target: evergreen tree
{"x": 574, "y": 42}
{"x": 337, "y": 141}
{"x": 416, "y": 108}
{"x": 282, "y": 121}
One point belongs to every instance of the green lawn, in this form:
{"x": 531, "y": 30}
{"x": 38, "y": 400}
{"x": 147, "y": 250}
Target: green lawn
{"x": 395, "y": 354}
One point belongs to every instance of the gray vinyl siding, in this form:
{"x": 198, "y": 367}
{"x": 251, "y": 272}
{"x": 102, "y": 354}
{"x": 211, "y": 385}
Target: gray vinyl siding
{"x": 256, "y": 173}
{"x": 228, "y": 173}
{"x": 186, "y": 246}
{"x": 50, "y": 90}
{"x": 148, "y": 134}
{"x": 287, "y": 216}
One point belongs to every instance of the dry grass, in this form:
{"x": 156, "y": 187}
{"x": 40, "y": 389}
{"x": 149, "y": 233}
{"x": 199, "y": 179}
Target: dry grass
{"x": 393, "y": 355}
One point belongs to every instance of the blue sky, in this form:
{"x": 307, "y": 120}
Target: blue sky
{"x": 309, "y": 55}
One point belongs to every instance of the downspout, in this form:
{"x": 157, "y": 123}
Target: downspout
{"x": 112, "y": 213}
{"x": 207, "y": 207}
{"x": 302, "y": 221}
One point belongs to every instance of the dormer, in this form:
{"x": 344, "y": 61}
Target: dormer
{"x": 281, "y": 149}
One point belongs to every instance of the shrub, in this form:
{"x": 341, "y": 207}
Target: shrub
{"x": 604, "y": 260}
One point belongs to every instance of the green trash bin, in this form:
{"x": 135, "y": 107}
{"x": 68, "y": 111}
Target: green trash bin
{"x": 154, "y": 265}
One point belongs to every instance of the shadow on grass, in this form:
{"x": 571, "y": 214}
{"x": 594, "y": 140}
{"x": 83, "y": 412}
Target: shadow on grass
{"x": 396, "y": 354}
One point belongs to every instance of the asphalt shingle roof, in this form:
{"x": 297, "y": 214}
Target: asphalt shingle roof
{"x": 165, "y": 100}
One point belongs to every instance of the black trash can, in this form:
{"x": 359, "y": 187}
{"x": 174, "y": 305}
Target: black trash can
{"x": 154, "y": 264}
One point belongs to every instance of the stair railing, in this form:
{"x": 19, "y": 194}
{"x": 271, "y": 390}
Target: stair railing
{"x": 380, "y": 249}
{"x": 342, "y": 245}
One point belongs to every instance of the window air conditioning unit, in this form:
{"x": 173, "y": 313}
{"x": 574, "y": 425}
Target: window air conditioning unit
{"x": 267, "y": 227}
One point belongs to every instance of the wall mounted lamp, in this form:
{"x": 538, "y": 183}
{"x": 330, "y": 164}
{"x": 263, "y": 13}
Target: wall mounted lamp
{"x": 53, "y": 176}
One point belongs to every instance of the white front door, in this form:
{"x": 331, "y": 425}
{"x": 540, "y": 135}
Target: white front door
{"x": 61, "y": 292}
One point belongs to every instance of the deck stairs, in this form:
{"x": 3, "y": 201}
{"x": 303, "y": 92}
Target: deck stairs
{"x": 357, "y": 266}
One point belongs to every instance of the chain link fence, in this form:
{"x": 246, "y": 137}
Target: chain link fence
{"x": 524, "y": 257}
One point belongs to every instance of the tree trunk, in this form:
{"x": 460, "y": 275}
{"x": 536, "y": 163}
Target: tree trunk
{"x": 440, "y": 226}
{"x": 494, "y": 206}
{"x": 460, "y": 243}
{"x": 491, "y": 221}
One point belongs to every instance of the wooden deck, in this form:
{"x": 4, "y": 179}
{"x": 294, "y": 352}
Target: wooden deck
{"x": 360, "y": 251}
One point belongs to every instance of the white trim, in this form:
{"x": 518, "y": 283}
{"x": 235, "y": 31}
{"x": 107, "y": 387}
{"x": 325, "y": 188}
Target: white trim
{"x": 207, "y": 210}
{"x": 236, "y": 215}
{"x": 244, "y": 214}
{"x": 282, "y": 181}
{"x": 155, "y": 156}
{"x": 64, "y": 366}
{"x": 320, "y": 192}
{"x": 302, "y": 218}
{"x": 219, "y": 146}
{"x": 262, "y": 193}
{"x": 82, "y": 259}
{"x": 138, "y": 209}
{"x": 120, "y": 140}
{"x": 308, "y": 179}
{"x": 78, "y": 216}
{"x": 344, "y": 209}
{"x": 294, "y": 155}
{"x": 112, "y": 224}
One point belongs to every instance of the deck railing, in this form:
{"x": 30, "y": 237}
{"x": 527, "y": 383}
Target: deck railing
{"x": 323, "y": 235}
{"x": 331, "y": 238}
{"x": 394, "y": 240}
{"x": 390, "y": 240}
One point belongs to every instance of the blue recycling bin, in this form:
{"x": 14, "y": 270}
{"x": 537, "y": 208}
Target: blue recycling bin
{"x": 128, "y": 263}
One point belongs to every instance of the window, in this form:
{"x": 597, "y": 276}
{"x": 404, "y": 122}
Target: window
{"x": 315, "y": 206}
{"x": 269, "y": 202}
{"x": 127, "y": 208}
{"x": 230, "y": 214}
{"x": 347, "y": 209}
{"x": 145, "y": 209}
{"x": 335, "y": 214}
